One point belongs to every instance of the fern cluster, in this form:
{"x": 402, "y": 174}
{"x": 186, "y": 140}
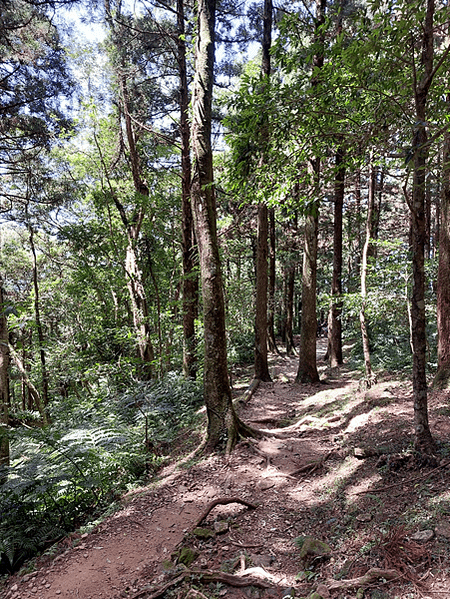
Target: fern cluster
{"x": 65, "y": 474}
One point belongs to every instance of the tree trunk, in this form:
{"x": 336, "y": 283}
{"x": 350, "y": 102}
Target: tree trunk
{"x": 307, "y": 367}
{"x": 369, "y": 379}
{"x": 4, "y": 386}
{"x": 334, "y": 317}
{"x": 261, "y": 361}
{"x": 223, "y": 423}
{"x": 290, "y": 285}
{"x": 37, "y": 313}
{"x": 271, "y": 284}
{"x": 423, "y": 438}
{"x": 190, "y": 277}
{"x": 442, "y": 378}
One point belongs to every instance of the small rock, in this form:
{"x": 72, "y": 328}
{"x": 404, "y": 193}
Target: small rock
{"x": 263, "y": 485}
{"x": 312, "y": 547}
{"x": 221, "y": 526}
{"x": 364, "y": 517}
{"x": 423, "y": 536}
{"x": 14, "y": 588}
{"x": 203, "y": 533}
{"x": 287, "y": 593}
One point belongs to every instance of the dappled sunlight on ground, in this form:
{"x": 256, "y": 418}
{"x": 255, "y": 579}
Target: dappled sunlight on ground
{"x": 316, "y": 472}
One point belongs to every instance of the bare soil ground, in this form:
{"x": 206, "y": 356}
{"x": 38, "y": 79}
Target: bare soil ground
{"x": 336, "y": 465}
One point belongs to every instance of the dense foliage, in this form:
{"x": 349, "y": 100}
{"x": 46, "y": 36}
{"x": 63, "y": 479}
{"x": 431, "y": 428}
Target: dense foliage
{"x": 91, "y": 246}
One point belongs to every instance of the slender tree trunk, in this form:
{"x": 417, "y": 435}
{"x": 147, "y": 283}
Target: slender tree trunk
{"x": 261, "y": 358}
{"x": 223, "y": 423}
{"x": 334, "y": 316}
{"x": 442, "y": 378}
{"x": 370, "y": 379}
{"x": 271, "y": 284}
{"x": 290, "y": 285}
{"x": 190, "y": 276}
{"x": 4, "y": 386}
{"x": 37, "y": 313}
{"x": 423, "y": 437}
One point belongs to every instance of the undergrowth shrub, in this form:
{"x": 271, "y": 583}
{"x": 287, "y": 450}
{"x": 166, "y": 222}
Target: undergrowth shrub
{"x": 68, "y": 473}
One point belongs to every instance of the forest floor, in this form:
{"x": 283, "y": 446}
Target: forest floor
{"x": 335, "y": 466}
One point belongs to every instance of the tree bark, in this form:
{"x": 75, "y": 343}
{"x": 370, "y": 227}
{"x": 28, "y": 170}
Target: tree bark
{"x": 223, "y": 423}
{"x": 4, "y": 386}
{"x": 261, "y": 357}
{"x": 334, "y": 316}
{"x": 290, "y": 285}
{"x": 365, "y": 254}
{"x": 271, "y": 284}
{"x": 307, "y": 367}
{"x": 423, "y": 438}
{"x": 37, "y": 313}
{"x": 190, "y": 277}
{"x": 442, "y": 377}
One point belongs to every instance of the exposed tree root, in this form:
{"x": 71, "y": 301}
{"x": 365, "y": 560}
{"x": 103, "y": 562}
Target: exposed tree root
{"x": 312, "y": 466}
{"x": 203, "y": 576}
{"x": 222, "y": 501}
{"x": 361, "y": 581}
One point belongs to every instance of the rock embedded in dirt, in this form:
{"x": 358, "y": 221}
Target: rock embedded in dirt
{"x": 311, "y": 547}
{"x": 221, "y": 527}
{"x": 203, "y": 533}
{"x": 423, "y": 536}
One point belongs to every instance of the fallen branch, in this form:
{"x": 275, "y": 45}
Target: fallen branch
{"x": 223, "y": 501}
{"x": 244, "y": 546}
{"x": 203, "y": 576}
{"x": 361, "y": 581}
{"x": 248, "y": 394}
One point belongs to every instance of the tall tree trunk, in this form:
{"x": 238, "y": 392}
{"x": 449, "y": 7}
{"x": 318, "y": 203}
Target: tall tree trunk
{"x": 271, "y": 284}
{"x": 423, "y": 437}
{"x": 37, "y": 313}
{"x": 261, "y": 359}
{"x": 369, "y": 379}
{"x": 334, "y": 317}
{"x": 190, "y": 277}
{"x": 223, "y": 423}
{"x": 4, "y": 386}
{"x": 307, "y": 367}
{"x": 442, "y": 378}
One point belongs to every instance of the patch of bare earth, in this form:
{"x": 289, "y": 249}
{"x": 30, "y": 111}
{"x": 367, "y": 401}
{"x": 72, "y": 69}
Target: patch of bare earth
{"x": 336, "y": 464}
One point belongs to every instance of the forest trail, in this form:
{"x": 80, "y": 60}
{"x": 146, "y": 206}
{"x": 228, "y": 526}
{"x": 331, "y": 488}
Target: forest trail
{"x": 305, "y": 479}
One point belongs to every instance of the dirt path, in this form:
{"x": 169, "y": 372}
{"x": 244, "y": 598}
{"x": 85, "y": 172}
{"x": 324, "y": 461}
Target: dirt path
{"x": 305, "y": 480}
